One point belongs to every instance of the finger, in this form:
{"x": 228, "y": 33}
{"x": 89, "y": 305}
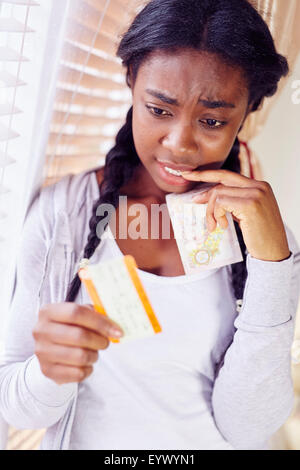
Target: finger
{"x": 234, "y": 205}
{"x": 210, "y": 218}
{"x": 66, "y": 355}
{"x": 82, "y": 315}
{"x": 62, "y": 374}
{"x": 231, "y": 191}
{"x": 215, "y": 213}
{"x": 225, "y": 177}
{"x": 71, "y": 335}
{"x": 220, "y": 214}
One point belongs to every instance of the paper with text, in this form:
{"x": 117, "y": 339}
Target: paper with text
{"x": 116, "y": 291}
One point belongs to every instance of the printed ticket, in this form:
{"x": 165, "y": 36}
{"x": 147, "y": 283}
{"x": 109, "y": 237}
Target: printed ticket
{"x": 116, "y": 291}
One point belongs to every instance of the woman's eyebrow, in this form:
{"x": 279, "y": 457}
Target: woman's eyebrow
{"x": 173, "y": 101}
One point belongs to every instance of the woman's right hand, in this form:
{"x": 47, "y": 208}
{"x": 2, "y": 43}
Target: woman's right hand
{"x": 67, "y": 339}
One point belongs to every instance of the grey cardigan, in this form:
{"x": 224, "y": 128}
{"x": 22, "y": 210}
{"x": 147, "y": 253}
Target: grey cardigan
{"x": 55, "y": 226}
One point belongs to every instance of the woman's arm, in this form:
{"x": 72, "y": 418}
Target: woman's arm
{"x": 253, "y": 390}
{"x": 28, "y": 399}
{"x": 253, "y": 393}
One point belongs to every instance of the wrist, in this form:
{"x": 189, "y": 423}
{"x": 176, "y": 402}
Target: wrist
{"x": 266, "y": 300}
{"x": 274, "y": 258}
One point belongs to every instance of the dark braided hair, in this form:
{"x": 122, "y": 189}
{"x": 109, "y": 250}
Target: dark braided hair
{"x": 231, "y": 29}
{"x": 120, "y": 163}
{"x": 238, "y": 270}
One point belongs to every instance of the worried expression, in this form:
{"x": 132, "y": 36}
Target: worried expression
{"x": 188, "y": 108}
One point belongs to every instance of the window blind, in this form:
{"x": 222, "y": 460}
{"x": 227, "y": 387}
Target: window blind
{"x": 14, "y": 30}
{"x": 15, "y": 43}
{"x": 92, "y": 98}
{"x": 30, "y": 33}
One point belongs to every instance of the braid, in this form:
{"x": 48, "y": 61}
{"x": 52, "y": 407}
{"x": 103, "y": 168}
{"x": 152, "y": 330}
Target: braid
{"x": 120, "y": 163}
{"x": 239, "y": 270}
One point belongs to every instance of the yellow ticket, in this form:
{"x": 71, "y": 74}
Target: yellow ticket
{"x": 116, "y": 291}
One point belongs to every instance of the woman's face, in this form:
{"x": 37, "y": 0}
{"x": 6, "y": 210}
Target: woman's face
{"x": 188, "y": 108}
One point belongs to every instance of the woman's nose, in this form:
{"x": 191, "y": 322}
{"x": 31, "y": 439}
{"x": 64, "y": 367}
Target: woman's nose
{"x": 181, "y": 142}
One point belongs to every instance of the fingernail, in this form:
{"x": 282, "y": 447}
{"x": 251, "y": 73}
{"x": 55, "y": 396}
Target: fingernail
{"x": 116, "y": 333}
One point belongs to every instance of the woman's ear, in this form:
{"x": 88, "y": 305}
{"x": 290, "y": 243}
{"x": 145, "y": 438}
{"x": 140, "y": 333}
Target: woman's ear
{"x": 129, "y": 79}
{"x": 248, "y": 111}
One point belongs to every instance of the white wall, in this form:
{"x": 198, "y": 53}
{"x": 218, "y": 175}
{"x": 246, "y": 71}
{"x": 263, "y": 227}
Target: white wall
{"x": 278, "y": 149}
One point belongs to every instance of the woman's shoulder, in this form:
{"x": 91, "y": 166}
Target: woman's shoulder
{"x": 65, "y": 196}
{"x": 72, "y": 190}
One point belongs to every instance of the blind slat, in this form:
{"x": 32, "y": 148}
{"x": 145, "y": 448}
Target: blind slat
{"x": 11, "y": 25}
{"x": 7, "y": 134}
{"x": 76, "y": 156}
{"x": 59, "y": 117}
{"x": 75, "y": 151}
{"x": 7, "y": 54}
{"x": 8, "y": 108}
{"x": 76, "y": 55}
{"x": 90, "y": 17}
{"x": 109, "y": 129}
{"x": 30, "y": 3}
{"x": 62, "y": 165}
{"x": 21, "y": 439}
{"x": 79, "y": 33}
{"x": 88, "y": 141}
{"x": 8, "y": 80}
{"x": 69, "y": 75}
{"x": 82, "y": 99}
{"x": 102, "y": 146}
{"x": 6, "y": 160}
{"x": 116, "y": 9}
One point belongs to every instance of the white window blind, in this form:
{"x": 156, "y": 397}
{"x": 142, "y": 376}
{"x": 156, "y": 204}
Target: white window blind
{"x": 62, "y": 99}
{"x": 29, "y": 38}
{"x": 14, "y": 45}
{"x": 92, "y": 97}
{"x": 14, "y": 28}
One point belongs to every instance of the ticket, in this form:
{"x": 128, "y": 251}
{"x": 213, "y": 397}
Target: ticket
{"x": 200, "y": 249}
{"x": 116, "y": 291}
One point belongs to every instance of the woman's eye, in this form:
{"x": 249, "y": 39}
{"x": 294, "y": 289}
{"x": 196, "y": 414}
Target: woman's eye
{"x": 213, "y": 123}
{"x": 209, "y": 123}
{"x": 156, "y": 111}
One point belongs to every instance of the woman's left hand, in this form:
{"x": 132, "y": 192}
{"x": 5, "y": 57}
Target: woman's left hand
{"x": 252, "y": 204}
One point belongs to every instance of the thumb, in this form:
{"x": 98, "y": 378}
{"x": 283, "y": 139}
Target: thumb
{"x": 89, "y": 306}
{"x": 112, "y": 322}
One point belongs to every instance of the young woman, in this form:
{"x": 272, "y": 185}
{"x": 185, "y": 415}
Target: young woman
{"x": 213, "y": 378}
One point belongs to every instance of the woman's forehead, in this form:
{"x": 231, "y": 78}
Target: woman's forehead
{"x": 188, "y": 72}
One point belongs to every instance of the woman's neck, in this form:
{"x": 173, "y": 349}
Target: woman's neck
{"x": 142, "y": 186}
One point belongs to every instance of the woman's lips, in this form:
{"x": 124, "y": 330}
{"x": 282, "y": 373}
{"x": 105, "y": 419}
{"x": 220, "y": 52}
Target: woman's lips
{"x": 169, "y": 178}
{"x": 173, "y": 166}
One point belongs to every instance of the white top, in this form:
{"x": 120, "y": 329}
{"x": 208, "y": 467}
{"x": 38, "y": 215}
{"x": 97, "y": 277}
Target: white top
{"x": 212, "y": 379}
